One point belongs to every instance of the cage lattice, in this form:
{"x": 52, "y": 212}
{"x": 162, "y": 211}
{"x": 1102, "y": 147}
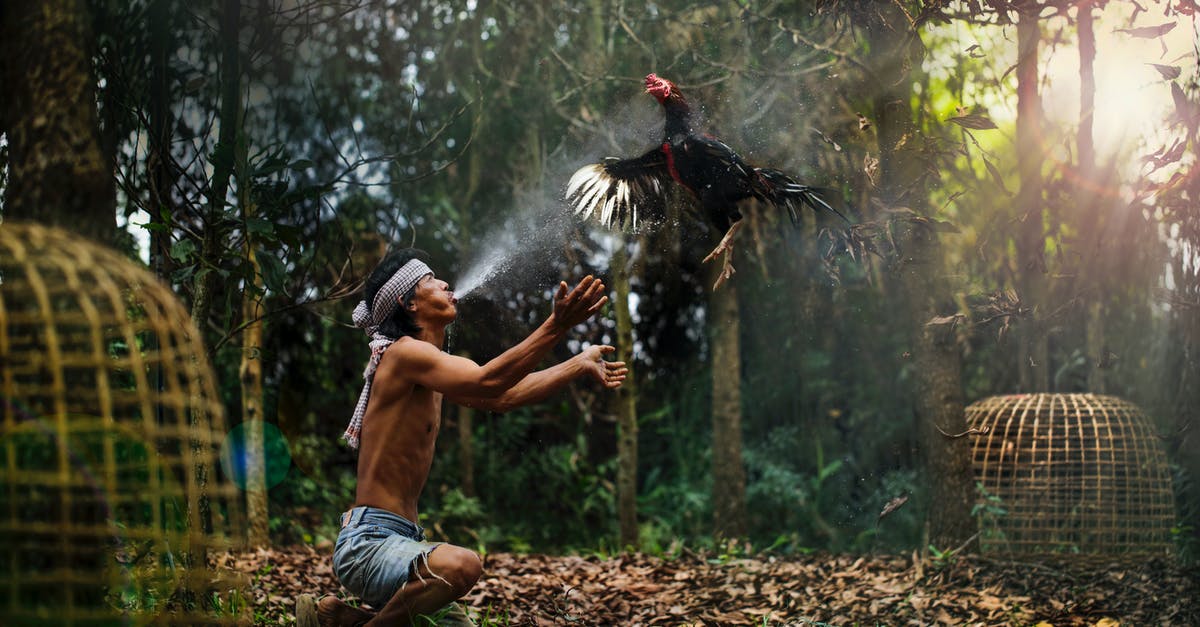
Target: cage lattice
{"x": 110, "y": 494}
{"x": 1070, "y": 473}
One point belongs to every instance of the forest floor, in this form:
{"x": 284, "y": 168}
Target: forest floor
{"x": 816, "y": 589}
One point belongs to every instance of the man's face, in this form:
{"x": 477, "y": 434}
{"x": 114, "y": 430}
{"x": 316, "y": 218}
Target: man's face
{"x": 433, "y": 300}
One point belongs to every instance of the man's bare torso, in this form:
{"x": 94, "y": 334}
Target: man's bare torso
{"x": 399, "y": 431}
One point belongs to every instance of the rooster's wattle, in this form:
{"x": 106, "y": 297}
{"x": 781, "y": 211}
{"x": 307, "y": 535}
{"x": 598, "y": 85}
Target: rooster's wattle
{"x": 622, "y": 192}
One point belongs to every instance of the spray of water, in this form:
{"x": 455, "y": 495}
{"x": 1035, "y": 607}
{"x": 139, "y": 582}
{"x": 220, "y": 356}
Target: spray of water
{"x": 531, "y": 238}
{"x": 490, "y": 262}
{"x": 519, "y": 248}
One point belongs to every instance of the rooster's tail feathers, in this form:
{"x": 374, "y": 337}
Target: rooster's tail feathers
{"x": 781, "y": 189}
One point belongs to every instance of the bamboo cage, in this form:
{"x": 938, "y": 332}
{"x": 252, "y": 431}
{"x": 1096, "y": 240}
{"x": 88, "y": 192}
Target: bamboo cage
{"x": 111, "y": 499}
{"x": 1070, "y": 474}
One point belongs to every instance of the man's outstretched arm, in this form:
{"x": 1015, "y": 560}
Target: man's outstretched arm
{"x": 426, "y": 365}
{"x": 540, "y": 385}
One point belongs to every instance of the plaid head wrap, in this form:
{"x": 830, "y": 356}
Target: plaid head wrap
{"x": 368, "y": 318}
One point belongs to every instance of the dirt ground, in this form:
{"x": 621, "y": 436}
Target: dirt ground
{"x": 817, "y": 589}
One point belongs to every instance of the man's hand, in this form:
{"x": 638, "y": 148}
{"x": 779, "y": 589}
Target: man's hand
{"x": 581, "y": 303}
{"x": 610, "y": 374}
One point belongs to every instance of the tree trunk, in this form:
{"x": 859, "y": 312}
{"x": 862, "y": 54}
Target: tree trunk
{"x": 251, "y": 367}
{"x": 922, "y": 276}
{"x": 627, "y": 423}
{"x": 1087, "y": 207}
{"x": 1033, "y": 355}
{"x": 223, "y": 157}
{"x": 729, "y": 474}
{"x": 1087, "y": 87}
{"x": 58, "y": 173}
{"x": 1185, "y": 444}
{"x": 159, "y": 163}
{"x": 252, "y": 407}
{"x": 940, "y": 406}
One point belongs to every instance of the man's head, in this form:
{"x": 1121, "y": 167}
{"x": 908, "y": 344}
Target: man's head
{"x": 400, "y": 292}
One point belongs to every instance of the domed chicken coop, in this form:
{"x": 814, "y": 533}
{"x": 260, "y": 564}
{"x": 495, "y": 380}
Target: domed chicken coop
{"x": 1070, "y": 474}
{"x": 110, "y": 492}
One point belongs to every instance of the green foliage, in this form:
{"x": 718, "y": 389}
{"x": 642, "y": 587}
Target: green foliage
{"x": 1186, "y": 545}
{"x": 448, "y": 127}
{"x": 988, "y": 510}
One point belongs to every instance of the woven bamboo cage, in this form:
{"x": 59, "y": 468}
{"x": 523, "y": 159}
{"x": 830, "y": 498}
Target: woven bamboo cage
{"x": 1070, "y": 474}
{"x": 111, "y": 499}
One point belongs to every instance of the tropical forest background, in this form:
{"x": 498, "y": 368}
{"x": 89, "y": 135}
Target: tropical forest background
{"x": 1019, "y": 177}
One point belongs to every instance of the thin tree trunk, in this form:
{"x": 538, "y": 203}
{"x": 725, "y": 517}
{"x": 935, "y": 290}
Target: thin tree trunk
{"x": 1033, "y": 355}
{"x": 729, "y": 473}
{"x": 627, "y": 422}
{"x": 58, "y": 173}
{"x": 1086, "y": 203}
{"x": 210, "y": 247}
{"x": 159, "y": 164}
{"x": 251, "y": 375}
{"x": 252, "y": 404}
{"x": 251, "y": 370}
{"x": 1087, "y": 87}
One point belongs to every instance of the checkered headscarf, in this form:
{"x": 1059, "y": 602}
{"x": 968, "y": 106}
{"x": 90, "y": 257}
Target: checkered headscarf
{"x": 368, "y": 318}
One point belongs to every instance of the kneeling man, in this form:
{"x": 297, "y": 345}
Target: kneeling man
{"x": 381, "y": 554}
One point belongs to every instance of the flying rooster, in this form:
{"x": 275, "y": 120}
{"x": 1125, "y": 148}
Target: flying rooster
{"x": 622, "y": 192}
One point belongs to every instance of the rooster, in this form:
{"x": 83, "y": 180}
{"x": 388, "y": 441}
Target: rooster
{"x": 622, "y": 192}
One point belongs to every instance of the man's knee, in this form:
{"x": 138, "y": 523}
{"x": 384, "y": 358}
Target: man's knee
{"x": 460, "y": 567}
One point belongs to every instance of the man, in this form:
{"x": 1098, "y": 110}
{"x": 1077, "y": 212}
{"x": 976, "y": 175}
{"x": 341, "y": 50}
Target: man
{"x": 381, "y": 555}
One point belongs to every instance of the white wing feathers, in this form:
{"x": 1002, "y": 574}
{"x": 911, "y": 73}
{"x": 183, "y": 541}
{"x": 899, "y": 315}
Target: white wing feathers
{"x": 619, "y": 194}
{"x": 592, "y": 190}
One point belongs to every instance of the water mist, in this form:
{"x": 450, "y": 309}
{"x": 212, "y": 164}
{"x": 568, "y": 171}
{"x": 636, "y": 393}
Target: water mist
{"x": 533, "y": 236}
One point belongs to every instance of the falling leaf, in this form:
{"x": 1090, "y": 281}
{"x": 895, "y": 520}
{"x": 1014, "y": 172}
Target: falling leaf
{"x": 1169, "y": 72}
{"x": 1149, "y": 32}
{"x": 863, "y": 122}
{"x": 943, "y": 320}
{"x": 825, "y": 138}
{"x": 871, "y": 167}
{"x": 893, "y": 505}
{"x": 1166, "y": 156}
{"x": 995, "y": 175}
{"x": 1107, "y": 622}
{"x": 975, "y": 52}
{"x": 974, "y": 121}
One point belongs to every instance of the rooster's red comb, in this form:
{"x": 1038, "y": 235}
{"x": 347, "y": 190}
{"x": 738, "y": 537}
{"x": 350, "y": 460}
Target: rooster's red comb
{"x": 660, "y": 88}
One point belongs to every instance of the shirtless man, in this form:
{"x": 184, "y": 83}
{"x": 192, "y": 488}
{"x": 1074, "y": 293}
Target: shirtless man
{"x": 381, "y": 554}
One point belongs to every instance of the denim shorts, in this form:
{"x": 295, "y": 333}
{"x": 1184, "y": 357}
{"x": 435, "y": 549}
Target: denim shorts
{"x": 376, "y": 551}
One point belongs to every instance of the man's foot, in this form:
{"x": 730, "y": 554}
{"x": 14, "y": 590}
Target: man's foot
{"x": 333, "y": 612}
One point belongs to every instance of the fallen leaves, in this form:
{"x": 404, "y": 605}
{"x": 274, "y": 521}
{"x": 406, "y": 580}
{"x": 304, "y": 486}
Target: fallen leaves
{"x": 634, "y": 589}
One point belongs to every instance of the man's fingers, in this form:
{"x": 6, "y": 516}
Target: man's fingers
{"x": 606, "y": 349}
{"x": 580, "y": 288}
{"x": 596, "y": 307}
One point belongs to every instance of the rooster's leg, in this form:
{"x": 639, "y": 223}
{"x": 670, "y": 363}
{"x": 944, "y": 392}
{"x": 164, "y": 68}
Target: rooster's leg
{"x": 726, "y": 247}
